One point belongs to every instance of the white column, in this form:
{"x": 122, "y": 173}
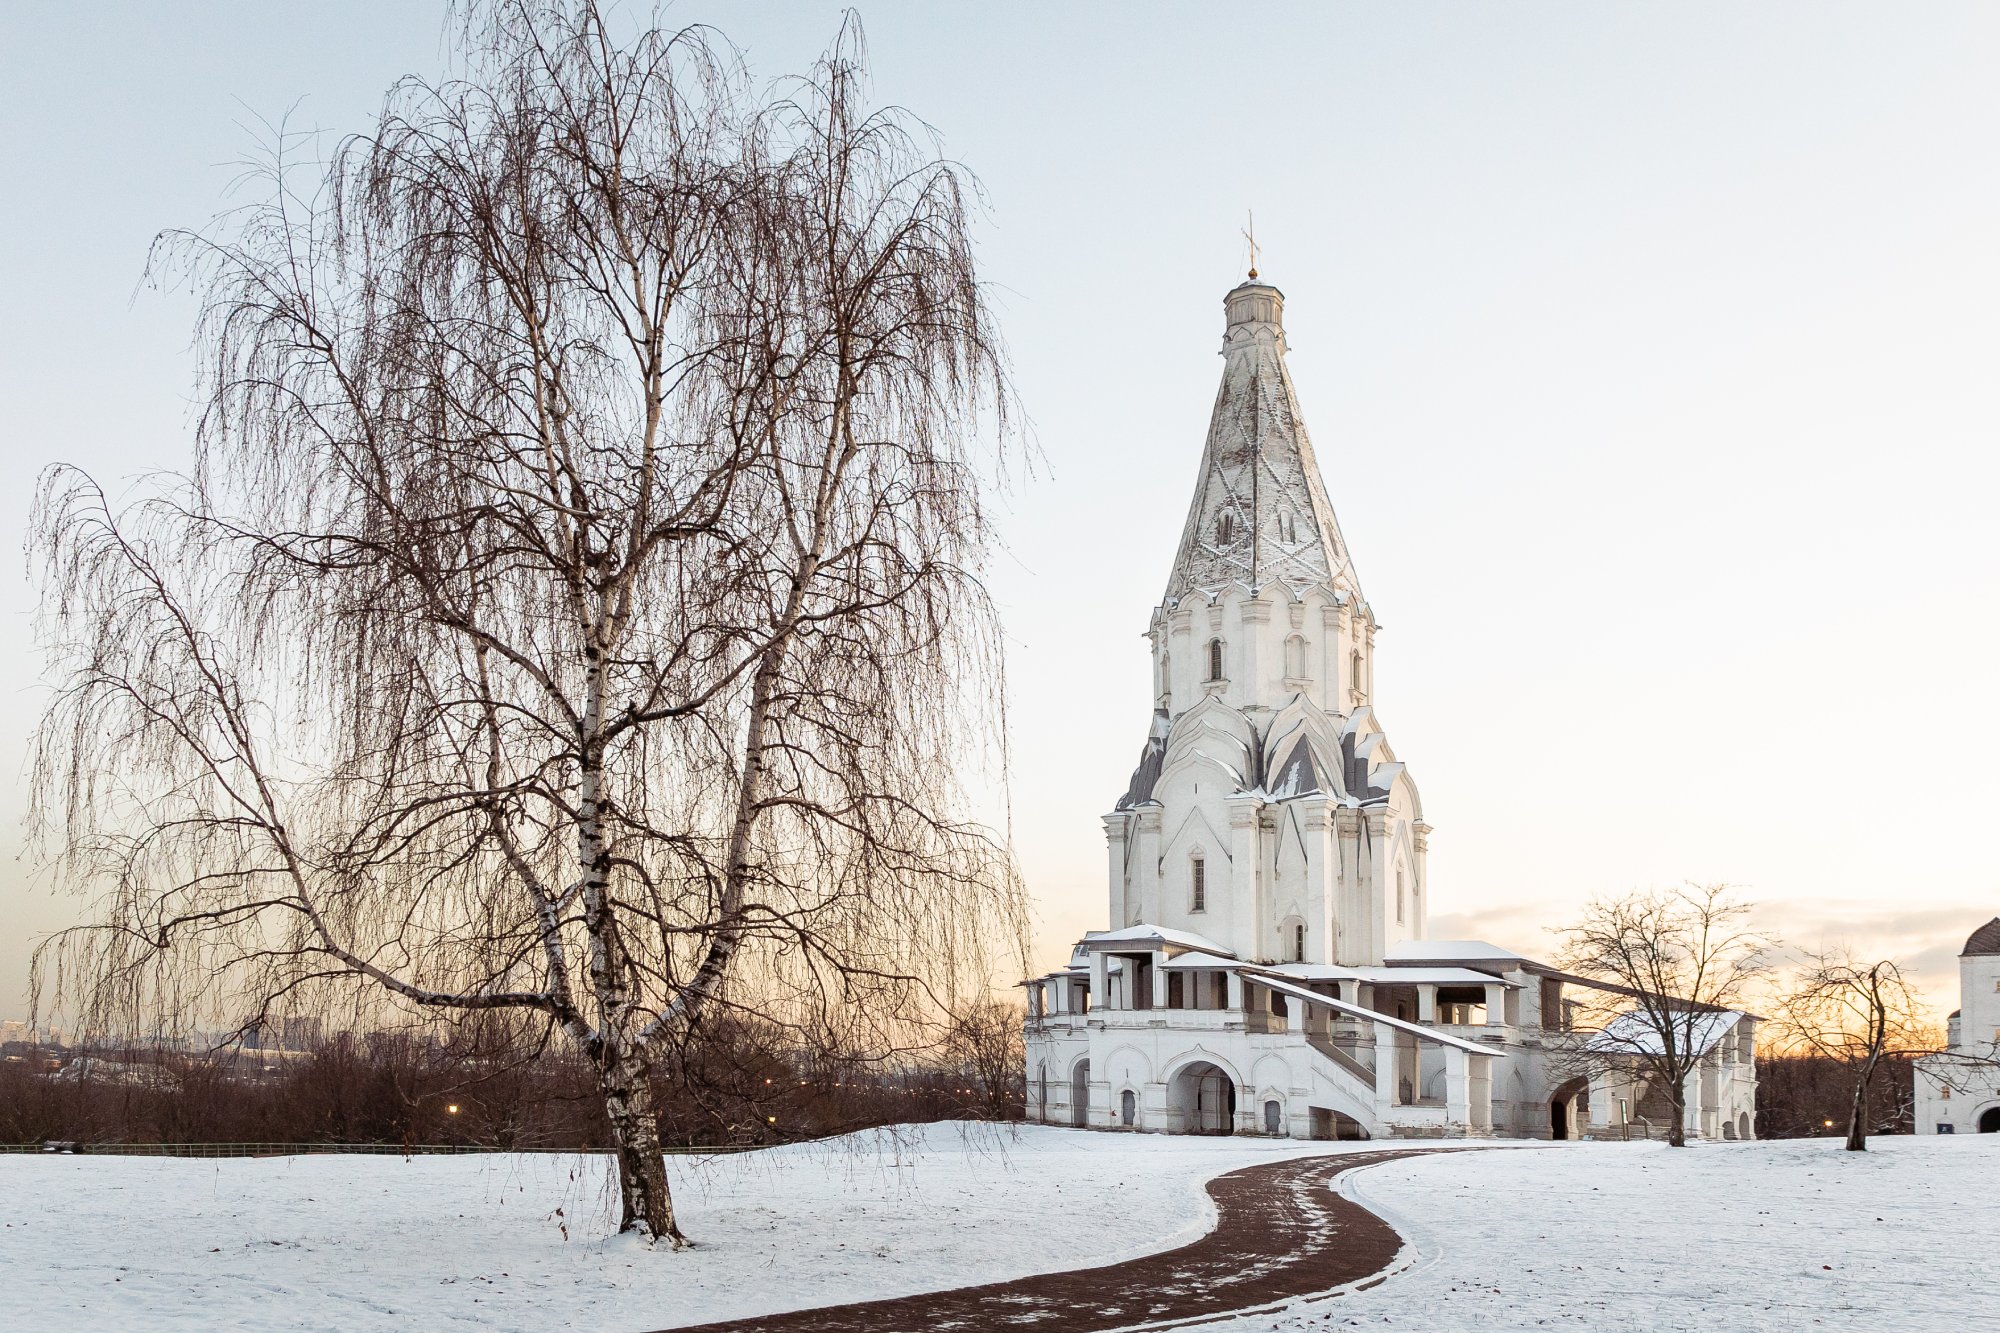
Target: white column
{"x": 1496, "y": 1004}
{"x": 1145, "y": 851}
{"x": 1252, "y": 617}
{"x": 1457, "y": 1092}
{"x": 1385, "y": 1067}
{"x": 1115, "y": 828}
{"x": 1189, "y": 658}
{"x": 1381, "y": 884}
{"x": 1479, "y": 1084}
{"x": 1427, "y": 1003}
{"x": 1352, "y": 911}
{"x": 1326, "y": 680}
{"x": 1322, "y": 874}
{"x": 1245, "y": 875}
{"x": 1159, "y": 981}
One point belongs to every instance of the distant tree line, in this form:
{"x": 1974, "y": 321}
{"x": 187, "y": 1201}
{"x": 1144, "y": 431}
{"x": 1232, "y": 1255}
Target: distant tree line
{"x": 1811, "y": 1095}
{"x": 499, "y": 1086}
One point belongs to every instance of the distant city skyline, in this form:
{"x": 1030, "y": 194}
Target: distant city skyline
{"x": 1666, "y": 332}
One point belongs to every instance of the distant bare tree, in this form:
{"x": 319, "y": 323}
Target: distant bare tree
{"x": 984, "y": 1041}
{"x": 1858, "y": 1015}
{"x": 574, "y": 608}
{"x": 1669, "y": 961}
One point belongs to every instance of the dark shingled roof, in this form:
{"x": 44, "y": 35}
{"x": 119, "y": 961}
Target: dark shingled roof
{"x": 1150, "y": 759}
{"x": 1984, "y": 941}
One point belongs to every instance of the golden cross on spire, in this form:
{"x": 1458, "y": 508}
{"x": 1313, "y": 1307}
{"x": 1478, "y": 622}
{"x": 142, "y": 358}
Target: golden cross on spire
{"x": 1250, "y": 235}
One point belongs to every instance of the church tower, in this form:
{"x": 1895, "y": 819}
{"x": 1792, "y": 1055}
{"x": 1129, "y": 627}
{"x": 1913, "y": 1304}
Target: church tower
{"x": 1268, "y": 813}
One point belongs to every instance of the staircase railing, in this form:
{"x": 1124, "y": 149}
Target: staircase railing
{"x": 1326, "y": 1047}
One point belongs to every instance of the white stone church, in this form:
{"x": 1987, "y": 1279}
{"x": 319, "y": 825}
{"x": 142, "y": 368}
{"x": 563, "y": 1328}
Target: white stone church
{"x": 1267, "y": 968}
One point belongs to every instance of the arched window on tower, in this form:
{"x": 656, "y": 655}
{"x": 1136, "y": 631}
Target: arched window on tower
{"x": 1225, "y": 528}
{"x": 1399, "y": 895}
{"x": 1354, "y": 681}
{"x": 1166, "y": 678}
{"x": 1215, "y": 659}
{"x": 1197, "y": 883}
{"x": 1299, "y": 942}
{"x": 1295, "y": 657}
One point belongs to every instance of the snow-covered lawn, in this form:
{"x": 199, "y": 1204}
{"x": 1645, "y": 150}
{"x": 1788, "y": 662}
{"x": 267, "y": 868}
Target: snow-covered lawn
{"x": 389, "y": 1243}
{"x": 1765, "y": 1236}
{"x": 1742, "y": 1236}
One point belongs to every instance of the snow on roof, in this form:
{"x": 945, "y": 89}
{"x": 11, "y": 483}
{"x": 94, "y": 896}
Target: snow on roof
{"x": 1298, "y": 775}
{"x": 1144, "y": 933}
{"x": 1393, "y": 976}
{"x": 1319, "y": 972}
{"x": 1454, "y": 950}
{"x": 1434, "y": 976}
{"x": 1637, "y": 1034}
{"x": 1073, "y": 971}
{"x": 1266, "y": 977}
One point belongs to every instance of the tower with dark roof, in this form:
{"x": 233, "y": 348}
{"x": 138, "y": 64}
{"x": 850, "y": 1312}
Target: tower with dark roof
{"x": 1958, "y": 1090}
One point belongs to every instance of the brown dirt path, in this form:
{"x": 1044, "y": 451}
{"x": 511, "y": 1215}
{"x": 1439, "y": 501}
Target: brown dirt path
{"x": 1281, "y": 1233}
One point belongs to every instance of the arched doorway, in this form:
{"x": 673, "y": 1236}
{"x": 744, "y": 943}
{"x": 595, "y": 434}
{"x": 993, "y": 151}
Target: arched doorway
{"x": 1563, "y": 1109}
{"x": 1079, "y": 1095}
{"x": 1743, "y": 1125}
{"x": 1128, "y": 1108}
{"x": 1989, "y": 1120}
{"x": 1206, "y": 1098}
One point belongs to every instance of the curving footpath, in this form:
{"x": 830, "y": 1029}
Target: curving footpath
{"x": 1281, "y": 1234}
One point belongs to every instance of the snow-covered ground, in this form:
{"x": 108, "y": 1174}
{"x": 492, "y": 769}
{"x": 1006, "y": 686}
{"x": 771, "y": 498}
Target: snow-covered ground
{"x": 1766, "y": 1236}
{"x": 519, "y": 1242}
{"x": 1769, "y": 1237}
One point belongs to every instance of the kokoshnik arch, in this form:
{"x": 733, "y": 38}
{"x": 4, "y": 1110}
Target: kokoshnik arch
{"x": 1266, "y": 968}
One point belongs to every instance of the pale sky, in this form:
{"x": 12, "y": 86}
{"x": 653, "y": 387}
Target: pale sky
{"x": 1649, "y": 350}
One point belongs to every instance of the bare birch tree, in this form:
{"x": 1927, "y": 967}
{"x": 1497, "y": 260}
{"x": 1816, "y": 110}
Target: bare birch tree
{"x": 1668, "y": 963}
{"x": 574, "y": 605}
{"x": 1857, "y": 1015}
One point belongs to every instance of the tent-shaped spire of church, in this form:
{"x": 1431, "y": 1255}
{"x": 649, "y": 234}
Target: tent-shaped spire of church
{"x": 1260, "y": 515}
